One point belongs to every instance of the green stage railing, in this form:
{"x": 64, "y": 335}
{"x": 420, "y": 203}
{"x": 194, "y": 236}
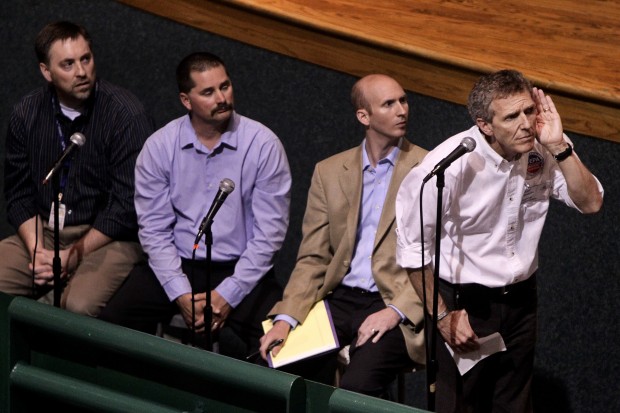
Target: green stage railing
{"x": 51, "y": 358}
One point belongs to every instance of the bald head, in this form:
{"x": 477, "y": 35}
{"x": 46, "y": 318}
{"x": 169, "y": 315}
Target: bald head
{"x": 370, "y": 86}
{"x": 381, "y": 107}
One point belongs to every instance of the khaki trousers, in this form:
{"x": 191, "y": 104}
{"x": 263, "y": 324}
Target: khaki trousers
{"x": 88, "y": 290}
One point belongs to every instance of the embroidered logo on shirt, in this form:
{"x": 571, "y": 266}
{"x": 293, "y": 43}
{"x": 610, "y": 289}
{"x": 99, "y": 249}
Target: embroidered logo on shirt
{"x": 535, "y": 164}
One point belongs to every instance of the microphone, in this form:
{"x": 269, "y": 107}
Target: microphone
{"x": 226, "y": 187}
{"x": 77, "y": 140}
{"x": 467, "y": 145}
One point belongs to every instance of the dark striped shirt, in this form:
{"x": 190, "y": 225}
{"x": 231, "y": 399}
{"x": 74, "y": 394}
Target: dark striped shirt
{"x": 99, "y": 185}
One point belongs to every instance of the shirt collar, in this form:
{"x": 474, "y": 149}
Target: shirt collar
{"x": 391, "y": 157}
{"x": 486, "y": 150}
{"x": 229, "y": 138}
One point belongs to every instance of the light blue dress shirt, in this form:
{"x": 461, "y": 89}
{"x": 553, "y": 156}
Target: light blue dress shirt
{"x": 375, "y": 184}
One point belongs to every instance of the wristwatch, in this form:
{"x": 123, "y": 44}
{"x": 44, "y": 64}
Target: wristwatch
{"x": 564, "y": 154}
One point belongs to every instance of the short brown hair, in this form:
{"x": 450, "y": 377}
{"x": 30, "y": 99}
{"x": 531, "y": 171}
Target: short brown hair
{"x": 494, "y": 86}
{"x": 195, "y": 62}
{"x": 60, "y": 30}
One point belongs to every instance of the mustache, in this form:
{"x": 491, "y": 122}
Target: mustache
{"x": 82, "y": 82}
{"x": 223, "y": 106}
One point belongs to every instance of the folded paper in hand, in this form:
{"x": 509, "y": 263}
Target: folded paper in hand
{"x": 316, "y": 335}
{"x": 489, "y": 345}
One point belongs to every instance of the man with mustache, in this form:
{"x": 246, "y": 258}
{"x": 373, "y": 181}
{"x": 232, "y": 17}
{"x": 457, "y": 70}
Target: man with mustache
{"x": 495, "y": 201}
{"x": 97, "y": 221}
{"x": 347, "y": 255}
{"x": 178, "y": 174}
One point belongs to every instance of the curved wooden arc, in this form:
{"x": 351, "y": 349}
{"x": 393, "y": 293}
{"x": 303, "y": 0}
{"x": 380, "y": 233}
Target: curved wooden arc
{"x": 570, "y": 48}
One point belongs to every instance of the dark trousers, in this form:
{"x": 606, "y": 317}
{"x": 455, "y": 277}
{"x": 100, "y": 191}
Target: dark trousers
{"x": 372, "y": 366}
{"x": 141, "y": 304}
{"x": 501, "y": 382}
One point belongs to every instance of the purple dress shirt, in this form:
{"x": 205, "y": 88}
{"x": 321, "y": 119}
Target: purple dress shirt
{"x": 177, "y": 179}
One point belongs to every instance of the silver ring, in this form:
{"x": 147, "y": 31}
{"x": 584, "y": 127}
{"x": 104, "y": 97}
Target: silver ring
{"x": 373, "y": 331}
{"x": 547, "y": 109}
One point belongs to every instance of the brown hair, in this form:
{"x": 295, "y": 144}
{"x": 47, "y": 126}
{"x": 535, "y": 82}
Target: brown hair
{"x": 494, "y": 86}
{"x": 52, "y": 32}
{"x": 195, "y": 62}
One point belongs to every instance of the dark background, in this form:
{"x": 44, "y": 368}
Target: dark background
{"x": 577, "y": 365}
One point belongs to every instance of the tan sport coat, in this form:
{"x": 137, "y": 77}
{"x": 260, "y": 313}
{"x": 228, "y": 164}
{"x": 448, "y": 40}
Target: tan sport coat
{"x": 329, "y": 232}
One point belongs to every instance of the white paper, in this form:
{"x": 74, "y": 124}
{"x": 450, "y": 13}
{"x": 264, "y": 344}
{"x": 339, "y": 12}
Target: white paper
{"x": 490, "y": 344}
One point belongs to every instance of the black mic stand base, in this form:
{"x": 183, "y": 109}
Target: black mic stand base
{"x": 432, "y": 367}
{"x": 56, "y": 264}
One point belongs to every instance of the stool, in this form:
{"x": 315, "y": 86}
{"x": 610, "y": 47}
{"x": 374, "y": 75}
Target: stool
{"x": 176, "y": 330}
{"x": 343, "y": 360}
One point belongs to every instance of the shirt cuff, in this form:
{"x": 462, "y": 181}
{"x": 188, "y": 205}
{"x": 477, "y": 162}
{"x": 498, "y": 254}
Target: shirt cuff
{"x": 288, "y": 319}
{"x": 230, "y": 292}
{"x": 403, "y": 318}
{"x": 177, "y": 287}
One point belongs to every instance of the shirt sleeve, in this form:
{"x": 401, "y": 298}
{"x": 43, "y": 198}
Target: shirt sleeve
{"x": 156, "y": 219}
{"x": 20, "y": 193}
{"x": 408, "y": 242}
{"x": 118, "y": 219}
{"x": 560, "y": 187}
{"x": 270, "y": 214}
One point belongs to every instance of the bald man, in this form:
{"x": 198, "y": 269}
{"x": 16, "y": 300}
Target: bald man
{"x": 347, "y": 255}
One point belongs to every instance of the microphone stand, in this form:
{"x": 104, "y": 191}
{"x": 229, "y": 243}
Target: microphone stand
{"x": 56, "y": 264}
{"x": 432, "y": 367}
{"x": 208, "y": 312}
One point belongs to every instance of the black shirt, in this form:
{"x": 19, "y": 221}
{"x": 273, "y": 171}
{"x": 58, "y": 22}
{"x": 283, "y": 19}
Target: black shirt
{"x": 98, "y": 183}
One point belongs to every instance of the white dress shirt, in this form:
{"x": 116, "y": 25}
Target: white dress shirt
{"x": 493, "y": 212}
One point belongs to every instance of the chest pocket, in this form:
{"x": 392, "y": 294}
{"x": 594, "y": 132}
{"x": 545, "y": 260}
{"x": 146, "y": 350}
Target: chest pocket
{"x": 535, "y": 201}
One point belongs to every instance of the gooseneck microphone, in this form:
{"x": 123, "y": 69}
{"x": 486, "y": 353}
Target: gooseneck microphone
{"x": 467, "y": 145}
{"x": 226, "y": 187}
{"x": 77, "y": 140}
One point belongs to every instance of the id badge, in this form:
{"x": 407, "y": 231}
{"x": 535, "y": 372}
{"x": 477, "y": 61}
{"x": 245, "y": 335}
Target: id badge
{"x": 61, "y": 214}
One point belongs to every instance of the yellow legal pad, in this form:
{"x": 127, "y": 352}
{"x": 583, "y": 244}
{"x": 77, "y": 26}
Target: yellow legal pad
{"x": 316, "y": 335}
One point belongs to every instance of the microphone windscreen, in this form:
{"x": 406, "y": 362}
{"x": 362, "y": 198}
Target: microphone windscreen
{"x": 78, "y": 138}
{"x": 227, "y": 186}
{"x": 468, "y": 143}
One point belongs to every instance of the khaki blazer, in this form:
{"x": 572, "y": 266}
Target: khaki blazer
{"x": 329, "y": 232}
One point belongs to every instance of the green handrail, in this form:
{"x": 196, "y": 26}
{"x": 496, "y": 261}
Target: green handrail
{"x": 79, "y": 393}
{"x": 81, "y": 363}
